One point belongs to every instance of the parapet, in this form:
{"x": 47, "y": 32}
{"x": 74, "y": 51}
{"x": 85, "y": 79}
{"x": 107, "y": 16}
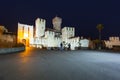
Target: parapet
{"x": 41, "y": 20}
{"x": 114, "y": 38}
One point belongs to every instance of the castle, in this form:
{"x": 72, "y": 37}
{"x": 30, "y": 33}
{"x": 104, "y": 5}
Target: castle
{"x": 40, "y": 36}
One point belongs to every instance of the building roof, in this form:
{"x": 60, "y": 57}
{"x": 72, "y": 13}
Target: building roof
{"x": 9, "y": 33}
{"x": 56, "y": 18}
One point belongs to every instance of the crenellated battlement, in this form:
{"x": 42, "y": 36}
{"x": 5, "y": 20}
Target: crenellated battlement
{"x": 41, "y": 21}
{"x": 114, "y": 38}
{"x": 40, "y": 25}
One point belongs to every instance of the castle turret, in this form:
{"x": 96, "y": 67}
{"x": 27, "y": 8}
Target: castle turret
{"x": 40, "y": 27}
{"x": 57, "y": 21}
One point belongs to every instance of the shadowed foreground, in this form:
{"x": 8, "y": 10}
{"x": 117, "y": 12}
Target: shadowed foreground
{"x": 35, "y": 64}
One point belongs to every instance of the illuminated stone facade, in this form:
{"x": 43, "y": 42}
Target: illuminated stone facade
{"x": 68, "y": 32}
{"x": 40, "y": 36}
{"x": 25, "y": 34}
{"x": 113, "y": 41}
{"x": 7, "y": 39}
{"x": 40, "y": 27}
{"x": 74, "y": 42}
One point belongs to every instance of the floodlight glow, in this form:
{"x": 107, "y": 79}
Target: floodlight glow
{"x": 25, "y": 35}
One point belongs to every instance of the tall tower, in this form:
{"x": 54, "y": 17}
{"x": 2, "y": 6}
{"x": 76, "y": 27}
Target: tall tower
{"x": 25, "y": 33}
{"x": 57, "y": 21}
{"x": 40, "y": 27}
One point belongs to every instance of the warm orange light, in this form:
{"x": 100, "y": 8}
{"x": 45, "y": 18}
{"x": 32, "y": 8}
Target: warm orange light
{"x": 24, "y": 55}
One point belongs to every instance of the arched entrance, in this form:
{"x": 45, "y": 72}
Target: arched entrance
{"x": 24, "y": 41}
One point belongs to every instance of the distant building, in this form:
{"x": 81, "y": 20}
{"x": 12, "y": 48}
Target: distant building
{"x": 7, "y": 39}
{"x": 113, "y": 41}
{"x": 40, "y": 36}
{"x": 84, "y": 43}
{"x": 2, "y": 30}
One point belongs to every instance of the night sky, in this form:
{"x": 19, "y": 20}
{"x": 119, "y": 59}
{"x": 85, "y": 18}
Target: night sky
{"x": 84, "y": 15}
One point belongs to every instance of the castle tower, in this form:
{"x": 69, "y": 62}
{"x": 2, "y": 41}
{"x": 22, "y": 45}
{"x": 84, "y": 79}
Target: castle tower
{"x": 67, "y": 32}
{"x": 25, "y": 33}
{"x": 57, "y": 21}
{"x": 40, "y": 27}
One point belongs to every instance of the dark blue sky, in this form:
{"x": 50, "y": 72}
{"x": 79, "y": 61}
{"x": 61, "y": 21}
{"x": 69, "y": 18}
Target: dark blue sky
{"x": 84, "y": 15}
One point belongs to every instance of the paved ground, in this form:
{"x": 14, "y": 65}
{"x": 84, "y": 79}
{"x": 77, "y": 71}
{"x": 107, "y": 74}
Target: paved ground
{"x": 35, "y": 64}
